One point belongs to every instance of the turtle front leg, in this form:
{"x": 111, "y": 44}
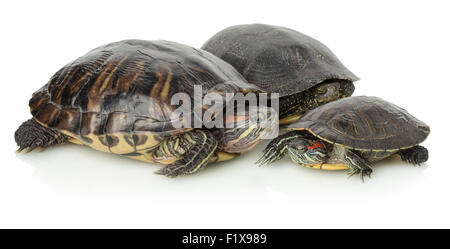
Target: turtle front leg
{"x": 195, "y": 149}
{"x": 277, "y": 148}
{"x": 357, "y": 164}
{"x": 415, "y": 155}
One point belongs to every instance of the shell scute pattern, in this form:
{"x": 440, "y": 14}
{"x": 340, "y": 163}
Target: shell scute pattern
{"x": 116, "y": 98}
{"x": 277, "y": 59}
{"x": 364, "y": 123}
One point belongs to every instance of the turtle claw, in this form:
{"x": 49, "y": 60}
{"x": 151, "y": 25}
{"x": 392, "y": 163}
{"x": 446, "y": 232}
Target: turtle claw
{"x": 415, "y": 155}
{"x": 29, "y": 149}
{"x": 276, "y": 149}
{"x": 31, "y": 135}
{"x": 270, "y": 155}
{"x": 180, "y": 167}
{"x": 25, "y": 150}
{"x": 171, "y": 170}
{"x": 362, "y": 172}
{"x": 358, "y": 165}
{"x": 197, "y": 157}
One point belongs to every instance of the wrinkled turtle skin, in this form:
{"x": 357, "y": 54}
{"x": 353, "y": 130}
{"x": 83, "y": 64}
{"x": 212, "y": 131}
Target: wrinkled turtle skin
{"x": 351, "y": 133}
{"x": 303, "y": 71}
{"x": 117, "y": 99}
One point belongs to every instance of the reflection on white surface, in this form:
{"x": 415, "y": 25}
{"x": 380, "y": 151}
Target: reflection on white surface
{"x": 77, "y": 185}
{"x": 77, "y": 168}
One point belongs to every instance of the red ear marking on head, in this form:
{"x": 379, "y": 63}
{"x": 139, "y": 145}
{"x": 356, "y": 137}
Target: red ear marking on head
{"x": 317, "y": 145}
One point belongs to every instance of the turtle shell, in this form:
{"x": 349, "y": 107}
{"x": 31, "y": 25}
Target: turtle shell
{"x": 364, "y": 123}
{"x": 277, "y": 59}
{"x": 126, "y": 88}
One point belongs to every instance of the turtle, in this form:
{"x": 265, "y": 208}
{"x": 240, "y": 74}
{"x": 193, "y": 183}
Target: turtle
{"x": 117, "y": 99}
{"x": 350, "y": 134}
{"x": 303, "y": 71}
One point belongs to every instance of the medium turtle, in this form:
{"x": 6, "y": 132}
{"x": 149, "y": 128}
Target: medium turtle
{"x": 351, "y": 133}
{"x": 303, "y": 71}
{"x": 117, "y": 99}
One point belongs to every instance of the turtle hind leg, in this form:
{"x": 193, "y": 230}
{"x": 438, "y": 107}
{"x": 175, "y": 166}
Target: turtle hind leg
{"x": 31, "y": 135}
{"x": 200, "y": 146}
{"x": 415, "y": 155}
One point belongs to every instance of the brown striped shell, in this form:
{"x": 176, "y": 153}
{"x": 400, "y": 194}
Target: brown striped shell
{"x": 364, "y": 123}
{"x": 126, "y": 87}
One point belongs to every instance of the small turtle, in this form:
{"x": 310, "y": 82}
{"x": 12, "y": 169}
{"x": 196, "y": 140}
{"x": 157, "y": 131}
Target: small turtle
{"x": 351, "y": 133}
{"x": 117, "y": 99}
{"x": 303, "y": 71}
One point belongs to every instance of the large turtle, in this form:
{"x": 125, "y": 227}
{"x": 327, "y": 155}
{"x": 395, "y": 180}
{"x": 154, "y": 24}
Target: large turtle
{"x": 117, "y": 99}
{"x": 302, "y": 70}
{"x": 351, "y": 133}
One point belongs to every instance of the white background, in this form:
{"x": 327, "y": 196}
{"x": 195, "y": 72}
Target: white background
{"x": 399, "y": 49}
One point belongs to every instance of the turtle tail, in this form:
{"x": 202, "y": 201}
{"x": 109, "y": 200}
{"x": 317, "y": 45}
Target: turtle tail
{"x": 31, "y": 135}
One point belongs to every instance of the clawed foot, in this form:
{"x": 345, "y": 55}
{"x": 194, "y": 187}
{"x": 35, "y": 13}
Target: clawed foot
{"x": 358, "y": 165}
{"x": 362, "y": 172}
{"x": 415, "y": 155}
{"x": 186, "y": 165}
{"x": 276, "y": 149}
{"x": 173, "y": 170}
{"x": 270, "y": 155}
{"x": 35, "y": 144}
{"x": 31, "y": 135}
{"x": 203, "y": 144}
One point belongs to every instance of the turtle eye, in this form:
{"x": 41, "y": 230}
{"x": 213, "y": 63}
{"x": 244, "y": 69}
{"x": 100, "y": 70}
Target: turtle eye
{"x": 321, "y": 90}
{"x": 301, "y": 149}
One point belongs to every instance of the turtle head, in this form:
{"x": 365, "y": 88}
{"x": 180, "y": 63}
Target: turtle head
{"x": 243, "y": 130}
{"x": 332, "y": 90}
{"x": 307, "y": 152}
